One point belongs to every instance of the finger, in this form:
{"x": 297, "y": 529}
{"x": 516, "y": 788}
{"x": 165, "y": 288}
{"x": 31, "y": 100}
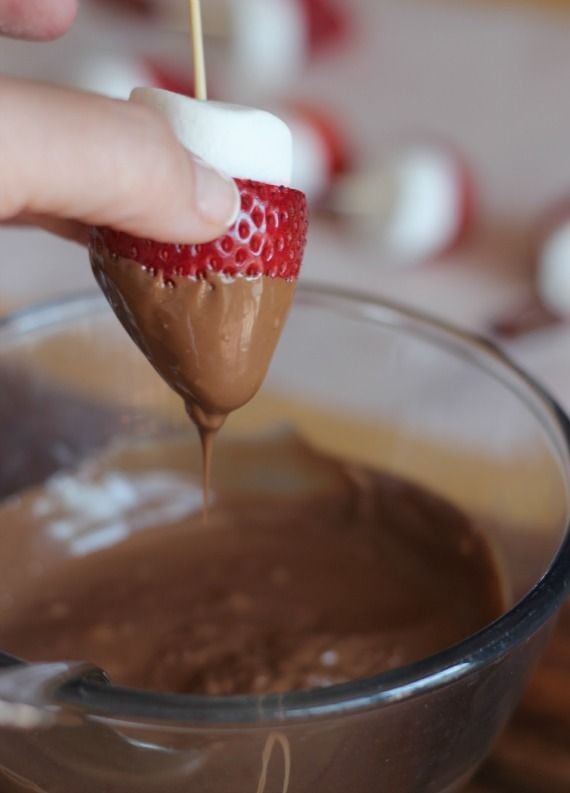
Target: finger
{"x": 70, "y": 230}
{"x": 36, "y": 19}
{"x": 77, "y": 156}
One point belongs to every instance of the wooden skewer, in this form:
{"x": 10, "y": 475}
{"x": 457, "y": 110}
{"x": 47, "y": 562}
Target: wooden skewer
{"x": 200, "y": 86}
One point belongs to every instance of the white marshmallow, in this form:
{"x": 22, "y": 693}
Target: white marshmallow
{"x": 554, "y": 272}
{"x": 110, "y": 74}
{"x": 240, "y": 141}
{"x": 269, "y": 42}
{"x": 428, "y": 204}
{"x": 310, "y": 159}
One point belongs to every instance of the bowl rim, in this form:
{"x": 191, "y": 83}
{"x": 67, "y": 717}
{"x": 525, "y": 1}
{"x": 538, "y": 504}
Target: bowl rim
{"x": 95, "y": 696}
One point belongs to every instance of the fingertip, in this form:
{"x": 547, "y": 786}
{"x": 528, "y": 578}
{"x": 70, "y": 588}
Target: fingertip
{"x": 38, "y": 20}
{"x": 217, "y": 198}
{"x": 60, "y": 24}
{"x": 189, "y": 201}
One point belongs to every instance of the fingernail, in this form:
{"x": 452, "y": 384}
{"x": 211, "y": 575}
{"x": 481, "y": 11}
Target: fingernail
{"x": 217, "y": 195}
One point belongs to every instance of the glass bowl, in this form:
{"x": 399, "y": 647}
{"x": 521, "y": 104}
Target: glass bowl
{"x": 358, "y": 378}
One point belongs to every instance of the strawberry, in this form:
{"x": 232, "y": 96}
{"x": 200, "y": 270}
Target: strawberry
{"x": 338, "y": 150}
{"x": 268, "y": 238}
{"x": 168, "y": 78}
{"x": 327, "y": 23}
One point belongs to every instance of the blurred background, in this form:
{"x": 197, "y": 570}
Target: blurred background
{"x": 432, "y": 137}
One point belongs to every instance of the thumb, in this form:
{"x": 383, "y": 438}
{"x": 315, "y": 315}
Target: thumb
{"x": 76, "y": 156}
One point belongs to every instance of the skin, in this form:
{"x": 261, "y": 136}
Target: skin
{"x": 36, "y": 20}
{"x": 70, "y": 159}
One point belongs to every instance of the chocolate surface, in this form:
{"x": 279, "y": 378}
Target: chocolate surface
{"x": 211, "y": 339}
{"x": 309, "y": 572}
{"x": 29, "y": 451}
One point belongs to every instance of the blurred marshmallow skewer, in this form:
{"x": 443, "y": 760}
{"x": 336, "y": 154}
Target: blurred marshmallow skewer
{"x": 420, "y": 203}
{"x": 553, "y": 264}
{"x": 268, "y": 42}
{"x": 111, "y": 74}
{"x": 321, "y": 148}
{"x": 116, "y": 75}
{"x": 548, "y": 300}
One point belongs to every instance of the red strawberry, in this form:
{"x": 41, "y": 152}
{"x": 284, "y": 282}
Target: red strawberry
{"x": 168, "y": 78}
{"x": 338, "y": 150}
{"x": 327, "y": 23}
{"x": 467, "y": 206}
{"x": 268, "y": 238}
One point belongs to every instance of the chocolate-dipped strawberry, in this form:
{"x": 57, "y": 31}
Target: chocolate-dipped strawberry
{"x": 208, "y": 316}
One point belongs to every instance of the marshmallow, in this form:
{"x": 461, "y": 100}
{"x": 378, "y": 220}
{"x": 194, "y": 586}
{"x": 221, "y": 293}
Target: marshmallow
{"x": 243, "y": 142}
{"x": 110, "y": 74}
{"x": 311, "y": 169}
{"x": 429, "y": 206}
{"x": 554, "y": 271}
{"x": 418, "y": 204}
{"x": 269, "y": 42}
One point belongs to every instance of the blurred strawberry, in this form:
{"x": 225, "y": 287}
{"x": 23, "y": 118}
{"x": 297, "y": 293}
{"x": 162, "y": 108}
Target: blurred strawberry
{"x": 328, "y": 23}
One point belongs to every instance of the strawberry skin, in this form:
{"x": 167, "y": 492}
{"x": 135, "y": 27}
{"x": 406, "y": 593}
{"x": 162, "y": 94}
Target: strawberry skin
{"x": 169, "y": 79}
{"x": 268, "y": 238}
{"x": 339, "y": 154}
{"x": 327, "y": 22}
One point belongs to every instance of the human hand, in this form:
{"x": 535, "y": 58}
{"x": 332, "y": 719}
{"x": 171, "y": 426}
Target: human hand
{"x": 71, "y": 159}
{"x": 38, "y": 20}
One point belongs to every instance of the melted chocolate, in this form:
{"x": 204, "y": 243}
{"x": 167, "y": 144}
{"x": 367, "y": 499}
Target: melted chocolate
{"x": 309, "y": 572}
{"x": 211, "y": 339}
{"x": 59, "y": 430}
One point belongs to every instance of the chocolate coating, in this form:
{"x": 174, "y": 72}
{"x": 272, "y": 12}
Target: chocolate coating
{"x": 211, "y": 339}
{"x": 309, "y": 572}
